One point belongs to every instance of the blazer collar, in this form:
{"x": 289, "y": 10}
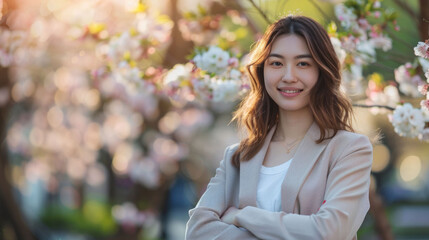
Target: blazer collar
{"x": 303, "y": 161}
{"x": 249, "y": 174}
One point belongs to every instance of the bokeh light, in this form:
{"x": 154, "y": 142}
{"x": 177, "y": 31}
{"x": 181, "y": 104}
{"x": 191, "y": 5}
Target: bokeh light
{"x": 410, "y": 168}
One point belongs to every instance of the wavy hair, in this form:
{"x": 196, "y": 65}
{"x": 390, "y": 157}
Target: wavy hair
{"x": 258, "y": 113}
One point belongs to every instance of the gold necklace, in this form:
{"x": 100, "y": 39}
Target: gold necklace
{"x": 294, "y": 143}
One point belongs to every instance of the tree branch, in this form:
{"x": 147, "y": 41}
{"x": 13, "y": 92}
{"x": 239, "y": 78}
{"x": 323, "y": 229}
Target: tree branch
{"x": 388, "y": 68}
{"x": 325, "y": 15}
{"x": 407, "y": 9}
{"x": 393, "y": 58}
{"x": 397, "y": 39}
{"x": 251, "y": 23}
{"x": 371, "y": 106}
{"x": 264, "y": 16}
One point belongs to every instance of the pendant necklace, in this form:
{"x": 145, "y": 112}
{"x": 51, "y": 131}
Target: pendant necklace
{"x": 294, "y": 143}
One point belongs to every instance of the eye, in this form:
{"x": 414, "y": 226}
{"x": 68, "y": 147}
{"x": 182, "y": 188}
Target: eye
{"x": 276, "y": 63}
{"x": 303, "y": 64}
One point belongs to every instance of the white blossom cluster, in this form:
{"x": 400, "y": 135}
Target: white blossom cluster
{"x": 341, "y": 53}
{"x": 360, "y": 46}
{"x": 345, "y": 15}
{"x": 178, "y": 75}
{"x": 123, "y": 44}
{"x": 215, "y": 77}
{"x": 129, "y": 77}
{"x": 367, "y": 40}
{"x": 408, "y": 121}
{"x": 408, "y": 82}
{"x": 224, "y": 90}
{"x": 215, "y": 60}
{"x": 123, "y": 55}
{"x": 177, "y": 82}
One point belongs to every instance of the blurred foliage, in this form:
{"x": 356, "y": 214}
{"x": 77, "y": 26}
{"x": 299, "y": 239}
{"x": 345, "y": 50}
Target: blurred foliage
{"x": 94, "y": 218}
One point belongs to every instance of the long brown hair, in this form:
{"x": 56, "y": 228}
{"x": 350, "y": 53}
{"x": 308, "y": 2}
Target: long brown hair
{"x": 258, "y": 113}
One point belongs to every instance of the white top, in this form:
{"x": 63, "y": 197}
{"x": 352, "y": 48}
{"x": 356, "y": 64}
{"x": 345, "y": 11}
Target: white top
{"x": 268, "y": 196}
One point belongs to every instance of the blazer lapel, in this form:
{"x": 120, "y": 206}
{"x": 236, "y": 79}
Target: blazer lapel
{"x": 249, "y": 174}
{"x": 303, "y": 161}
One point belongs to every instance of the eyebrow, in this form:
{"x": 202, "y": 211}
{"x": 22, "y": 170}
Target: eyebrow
{"x": 296, "y": 57}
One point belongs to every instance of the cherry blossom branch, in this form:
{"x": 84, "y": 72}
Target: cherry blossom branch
{"x": 264, "y": 16}
{"x": 250, "y": 21}
{"x": 393, "y": 58}
{"x": 377, "y": 106}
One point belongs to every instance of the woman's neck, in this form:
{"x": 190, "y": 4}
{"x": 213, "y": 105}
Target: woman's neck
{"x": 293, "y": 125}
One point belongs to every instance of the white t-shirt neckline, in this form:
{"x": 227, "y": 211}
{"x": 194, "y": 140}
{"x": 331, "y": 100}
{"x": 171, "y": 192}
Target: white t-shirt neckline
{"x": 276, "y": 169}
{"x": 268, "y": 195}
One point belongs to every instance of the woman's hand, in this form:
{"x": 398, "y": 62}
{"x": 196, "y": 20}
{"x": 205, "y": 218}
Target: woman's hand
{"x": 229, "y": 216}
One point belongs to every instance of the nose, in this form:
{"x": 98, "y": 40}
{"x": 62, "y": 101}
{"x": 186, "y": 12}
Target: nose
{"x": 289, "y": 74}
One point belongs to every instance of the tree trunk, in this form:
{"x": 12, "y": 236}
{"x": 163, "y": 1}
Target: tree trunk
{"x": 10, "y": 212}
{"x": 382, "y": 225}
{"x": 179, "y": 47}
{"x": 424, "y": 20}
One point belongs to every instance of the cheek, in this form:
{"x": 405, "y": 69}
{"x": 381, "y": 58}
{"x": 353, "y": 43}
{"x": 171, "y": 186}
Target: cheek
{"x": 270, "y": 77}
{"x": 270, "y": 85}
{"x": 312, "y": 78}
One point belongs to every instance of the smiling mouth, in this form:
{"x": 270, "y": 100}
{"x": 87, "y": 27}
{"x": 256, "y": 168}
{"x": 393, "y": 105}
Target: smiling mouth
{"x": 291, "y": 91}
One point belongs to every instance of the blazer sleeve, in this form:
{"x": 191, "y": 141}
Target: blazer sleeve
{"x": 346, "y": 196}
{"x": 204, "y": 222}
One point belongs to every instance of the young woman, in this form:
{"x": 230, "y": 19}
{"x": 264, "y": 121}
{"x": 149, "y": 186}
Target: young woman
{"x": 301, "y": 172}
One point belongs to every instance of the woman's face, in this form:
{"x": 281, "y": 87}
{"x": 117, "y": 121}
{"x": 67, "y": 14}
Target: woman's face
{"x": 290, "y": 73}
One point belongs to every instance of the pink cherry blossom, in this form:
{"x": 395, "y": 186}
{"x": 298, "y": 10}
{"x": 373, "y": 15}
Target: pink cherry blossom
{"x": 423, "y": 89}
{"x": 377, "y": 14}
{"x": 233, "y": 62}
{"x": 363, "y": 23}
{"x": 422, "y": 49}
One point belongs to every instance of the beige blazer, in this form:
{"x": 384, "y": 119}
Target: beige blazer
{"x": 324, "y": 194}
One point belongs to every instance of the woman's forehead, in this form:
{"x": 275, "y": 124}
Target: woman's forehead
{"x": 289, "y": 44}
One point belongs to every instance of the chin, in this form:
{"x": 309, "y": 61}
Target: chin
{"x": 291, "y": 108}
